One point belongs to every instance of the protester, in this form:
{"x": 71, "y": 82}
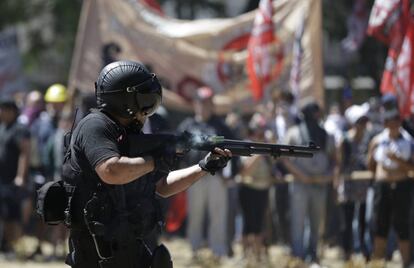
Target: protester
{"x": 14, "y": 167}
{"x": 390, "y": 158}
{"x": 33, "y": 106}
{"x": 285, "y": 115}
{"x": 389, "y": 101}
{"x": 335, "y": 125}
{"x": 311, "y": 175}
{"x": 255, "y": 181}
{"x": 351, "y": 180}
{"x": 208, "y": 197}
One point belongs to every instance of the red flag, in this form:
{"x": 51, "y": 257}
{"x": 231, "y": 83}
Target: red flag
{"x": 263, "y": 63}
{"x": 154, "y": 5}
{"x": 391, "y": 23}
{"x": 403, "y": 74}
{"x": 176, "y": 213}
{"x": 388, "y": 21}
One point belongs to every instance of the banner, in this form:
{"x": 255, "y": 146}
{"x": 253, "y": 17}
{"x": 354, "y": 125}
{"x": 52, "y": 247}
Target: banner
{"x": 297, "y": 54}
{"x": 189, "y": 54}
{"x": 11, "y": 79}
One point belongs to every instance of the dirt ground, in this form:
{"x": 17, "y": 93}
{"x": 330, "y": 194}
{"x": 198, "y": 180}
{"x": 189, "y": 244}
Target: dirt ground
{"x": 181, "y": 254}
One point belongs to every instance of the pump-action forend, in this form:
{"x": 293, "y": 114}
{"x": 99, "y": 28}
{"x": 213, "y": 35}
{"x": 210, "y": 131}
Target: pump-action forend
{"x": 144, "y": 144}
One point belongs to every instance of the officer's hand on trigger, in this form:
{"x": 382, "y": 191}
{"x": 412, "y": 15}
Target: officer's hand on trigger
{"x": 216, "y": 160}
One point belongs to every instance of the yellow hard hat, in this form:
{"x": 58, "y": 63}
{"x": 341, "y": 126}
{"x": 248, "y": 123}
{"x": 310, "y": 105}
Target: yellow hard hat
{"x": 56, "y": 93}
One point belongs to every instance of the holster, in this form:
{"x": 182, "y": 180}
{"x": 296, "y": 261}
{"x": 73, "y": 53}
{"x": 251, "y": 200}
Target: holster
{"x": 161, "y": 258}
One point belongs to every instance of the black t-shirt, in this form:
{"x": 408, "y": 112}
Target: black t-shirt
{"x": 95, "y": 139}
{"x": 10, "y": 137}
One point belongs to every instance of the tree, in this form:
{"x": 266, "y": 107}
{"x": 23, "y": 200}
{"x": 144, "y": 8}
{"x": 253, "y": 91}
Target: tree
{"x": 48, "y": 30}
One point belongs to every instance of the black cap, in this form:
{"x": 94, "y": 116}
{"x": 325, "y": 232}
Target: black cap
{"x": 309, "y": 105}
{"x": 389, "y": 101}
{"x": 7, "y": 103}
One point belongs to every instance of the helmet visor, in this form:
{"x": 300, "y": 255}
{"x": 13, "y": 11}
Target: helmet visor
{"x": 148, "y": 103}
{"x": 148, "y": 95}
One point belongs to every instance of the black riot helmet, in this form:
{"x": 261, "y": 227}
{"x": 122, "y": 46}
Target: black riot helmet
{"x": 127, "y": 87}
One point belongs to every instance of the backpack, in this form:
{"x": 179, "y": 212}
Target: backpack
{"x": 51, "y": 203}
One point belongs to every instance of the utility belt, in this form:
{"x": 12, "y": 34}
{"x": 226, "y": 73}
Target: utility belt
{"x": 58, "y": 202}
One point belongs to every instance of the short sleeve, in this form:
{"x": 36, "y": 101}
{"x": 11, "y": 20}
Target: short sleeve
{"x": 289, "y": 137}
{"x": 331, "y": 144}
{"x": 21, "y": 134}
{"x": 99, "y": 141}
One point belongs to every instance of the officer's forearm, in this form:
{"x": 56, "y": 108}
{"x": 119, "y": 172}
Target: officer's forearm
{"x": 179, "y": 180}
{"x": 122, "y": 170}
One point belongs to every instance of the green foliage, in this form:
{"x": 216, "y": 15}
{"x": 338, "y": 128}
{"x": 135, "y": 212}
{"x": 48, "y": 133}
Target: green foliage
{"x": 49, "y": 28}
{"x": 12, "y": 12}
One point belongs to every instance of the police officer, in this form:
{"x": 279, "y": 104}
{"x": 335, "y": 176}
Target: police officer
{"x": 113, "y": 201}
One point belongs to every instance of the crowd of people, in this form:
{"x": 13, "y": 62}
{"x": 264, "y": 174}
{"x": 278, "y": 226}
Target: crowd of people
{"x": 355, "y": 193}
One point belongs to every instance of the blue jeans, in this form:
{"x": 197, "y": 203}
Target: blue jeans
{"x": 308, "y": 202}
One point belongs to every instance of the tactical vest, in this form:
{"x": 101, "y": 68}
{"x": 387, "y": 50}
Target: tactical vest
{"x": 136, "y": 201}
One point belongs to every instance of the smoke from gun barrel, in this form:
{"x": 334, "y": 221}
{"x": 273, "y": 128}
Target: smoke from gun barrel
{"x": 146, "y": 144}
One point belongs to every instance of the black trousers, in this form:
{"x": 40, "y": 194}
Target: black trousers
{"x": 83, "y": 253}
{"x": 392, "y": 207}
{"x": 348, "y": 210}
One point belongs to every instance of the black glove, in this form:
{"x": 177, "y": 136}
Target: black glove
{"x": 165, "y": 160}
{"x": 213, "y": 162}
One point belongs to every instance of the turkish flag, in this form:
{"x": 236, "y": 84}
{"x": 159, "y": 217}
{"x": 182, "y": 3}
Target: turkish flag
{"x": 391, "y": 23}
{"x": 154, "y": 5}
{"x": 388, "y": 21}
{"x": 264, "y": 63}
